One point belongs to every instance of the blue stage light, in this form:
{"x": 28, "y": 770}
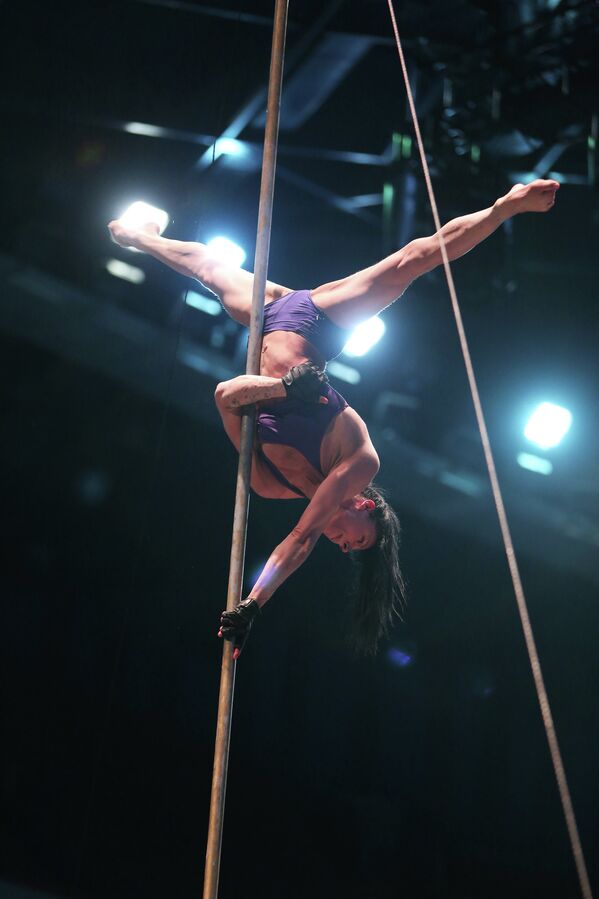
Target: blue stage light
{"x": 226, "y": 251}
{"x": 204, "y": 304}
{"x": 343, "y": 372}
{"x": 365, "y": 336}
{"x": 534, "y": 463}
{"x": 120, "y": 269}
{"x": 228, "y": 146}
{"x": 548, "y": 425}
{"x": 145, "y": 129}
{"x": 399, "y": 658}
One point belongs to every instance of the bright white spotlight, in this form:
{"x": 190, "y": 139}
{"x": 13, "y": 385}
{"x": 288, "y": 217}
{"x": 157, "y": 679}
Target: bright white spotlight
{"x": 228, "y": 146}
{"x": 226, "y": 251}
{"x": 145, "y": 129}
{"x": 365, "y": 336}
{"x": 547, "y": 425}
{"x": 139, "y": 214}
{"x": 127, "y": 272}
{"x": 534, "y": 463}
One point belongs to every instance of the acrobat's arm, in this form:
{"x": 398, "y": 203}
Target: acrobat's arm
{"x": 342, "y": 483}
{"x": 304, "y": 382}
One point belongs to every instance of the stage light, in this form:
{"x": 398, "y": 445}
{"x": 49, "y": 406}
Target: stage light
{"x": 469, "y": 484}
{"x": 126, "y": 272}
{"x": 228, "y": 146}
{"x": 399, "y": 658}
{"x": 344, "y": 372}
{"x": 534, "y": 463}
{"x": 139, "y": 214}
{"x": 547, "y": 425}
{"x": 365, "y": 336}
{"x": 144, "y": 129}
{"x": 226, "y": 251}
{"x": 204, "y": 304}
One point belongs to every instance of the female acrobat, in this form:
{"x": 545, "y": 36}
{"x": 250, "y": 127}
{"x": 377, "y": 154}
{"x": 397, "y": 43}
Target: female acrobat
{"x": 309, "y": 442}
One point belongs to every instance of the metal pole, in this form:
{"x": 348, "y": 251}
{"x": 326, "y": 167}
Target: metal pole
{"x": 242, "y": 493}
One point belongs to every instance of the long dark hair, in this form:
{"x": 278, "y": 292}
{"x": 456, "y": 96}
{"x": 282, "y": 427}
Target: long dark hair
{"x": 379, "y": 594}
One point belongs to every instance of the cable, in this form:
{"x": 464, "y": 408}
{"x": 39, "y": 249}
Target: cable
{"x": 556, "y": 757}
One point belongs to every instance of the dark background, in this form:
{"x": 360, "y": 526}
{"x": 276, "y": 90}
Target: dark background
{"x": 423, "y": 772}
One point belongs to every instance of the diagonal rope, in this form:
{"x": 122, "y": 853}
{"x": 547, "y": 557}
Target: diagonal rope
{"x": 533, "y": 655}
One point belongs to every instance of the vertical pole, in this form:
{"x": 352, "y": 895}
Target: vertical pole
{"x": 240, "y": 516}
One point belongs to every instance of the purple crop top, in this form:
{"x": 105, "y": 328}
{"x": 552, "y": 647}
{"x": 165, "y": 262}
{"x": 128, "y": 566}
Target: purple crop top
{"x": 297, "y": 312}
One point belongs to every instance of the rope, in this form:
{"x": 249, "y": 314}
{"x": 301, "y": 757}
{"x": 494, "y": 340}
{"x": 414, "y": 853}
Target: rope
{"x": 533, "y": 655}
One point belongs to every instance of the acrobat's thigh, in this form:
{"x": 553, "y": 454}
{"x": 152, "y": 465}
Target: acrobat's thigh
{"x": 353, "y": 299}
{"x": 234, "y": 289}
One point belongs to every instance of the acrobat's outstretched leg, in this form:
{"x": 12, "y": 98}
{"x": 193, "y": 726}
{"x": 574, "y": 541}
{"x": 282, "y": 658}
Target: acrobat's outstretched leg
{"x": 355, "y": 298}
{"x": 233, "y": 286}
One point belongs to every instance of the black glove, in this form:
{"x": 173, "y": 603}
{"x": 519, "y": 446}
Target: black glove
{"x": 236, "y": 625}
{"x": 305, "y": 382}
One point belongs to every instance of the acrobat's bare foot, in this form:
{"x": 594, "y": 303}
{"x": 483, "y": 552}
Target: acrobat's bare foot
{"x": 126, "y": 237}
{"x": 538, "y": 196}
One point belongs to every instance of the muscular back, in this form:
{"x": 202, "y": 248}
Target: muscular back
{"x": 346, "y": 437}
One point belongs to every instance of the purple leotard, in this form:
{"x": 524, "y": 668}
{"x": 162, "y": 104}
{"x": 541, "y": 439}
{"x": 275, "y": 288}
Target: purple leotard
{"x": 292, "y": 422}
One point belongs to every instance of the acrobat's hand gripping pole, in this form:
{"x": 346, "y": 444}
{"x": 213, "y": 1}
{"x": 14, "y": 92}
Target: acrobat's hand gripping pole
{"x": 242, "y": 494}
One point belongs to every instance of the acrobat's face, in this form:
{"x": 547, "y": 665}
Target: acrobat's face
{"x": 351, "y": 527}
